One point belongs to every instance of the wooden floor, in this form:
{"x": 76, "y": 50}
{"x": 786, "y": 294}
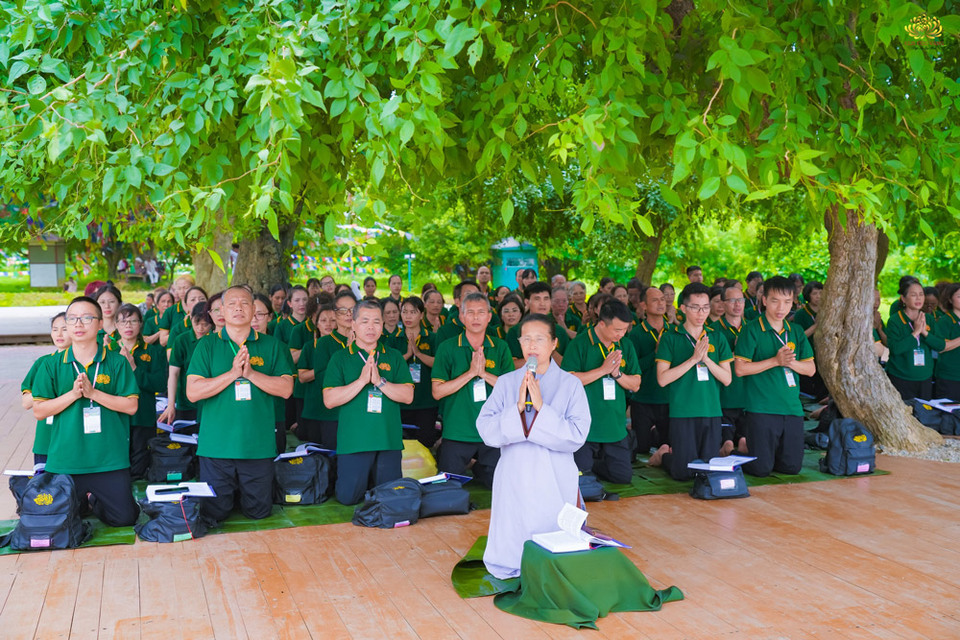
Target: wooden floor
{"x": 848, "y": 559}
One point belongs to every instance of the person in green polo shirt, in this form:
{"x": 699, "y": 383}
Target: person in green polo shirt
{"x": 278, "y": 300}
{"x": 751, "y": 309}
{"x": 578, "y": 303}
{"x": 236, "y": 373}
{"x": 91, "y": 392}
{"x": 453, "y": 326}
{"x": 193, "y": 297}
{"x": 419, "y": 348}
{"x": 912, "y": 343}
{"x": 176, "y": 311}
{"x": 608, "y": 368}
{"x": 319, "y": 423}
{"x": 770, "y": 354}
{"x": 61, "y": 340}
{"x": 559, "y": 305}
{"x": 368, "y": 383}
{"x": 806, "y": 317}
{"x": 179, "y": 406}
{"x": 464, "y": 372}
{"x": 510, "y": 311}
{"x": 284, "y": 330}
{"x": 948, "y": 328}
{"x": 693, "y": 363}
{"x": 733, "y": 396}
{"x": 151, "y": 325}
{"x": 537, "y": 300}
{"x": 649, "y": 406}
{"x": 149, "y": 365}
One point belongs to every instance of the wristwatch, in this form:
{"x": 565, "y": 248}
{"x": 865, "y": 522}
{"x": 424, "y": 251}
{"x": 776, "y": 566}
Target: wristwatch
{"x": 383, "y": 381}
{"x": 618, "y": 376}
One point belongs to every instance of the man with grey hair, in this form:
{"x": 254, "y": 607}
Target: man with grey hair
{"x": 558, "y": 280}
{"x": 368, "y": 382}
{"x": 464, "y": 372}
{"x": 578, "y": 303}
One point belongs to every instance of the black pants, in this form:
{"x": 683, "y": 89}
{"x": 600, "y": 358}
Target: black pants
{"x": 910, "y": 389}
{"x": 455, "y": 456}
{"x": 140, "y": 450}
{"x": 691, "y": 439}
{"x": 776, "y": 441}
{"x": 111, "y": 496}
{"x": 611, "y": 461}
{"x": 293, "y": 410}
{"x": 733, "y": 426}
{"x": 38, "y": 458}
{"x": 357, "y": 472}
{"x": 426, "y": 421}
{"x": 651, "y": 425}
{"x": 252, "y": 479}
{"x": 280, "y": 435}
{"x": 814, "y": 386}
{"x": 947, "y": 389}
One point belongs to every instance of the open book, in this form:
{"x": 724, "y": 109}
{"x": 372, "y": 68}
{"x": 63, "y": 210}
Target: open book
{"x": 443, "y": 477}
{"x": 173, "y": 492}
{"x": 727, "y": 463}
{"x": 574, "y": 535}
{"x": 177, "y": 424}
{"x": 304, "y": 449}
{"x": 944, "y": 404}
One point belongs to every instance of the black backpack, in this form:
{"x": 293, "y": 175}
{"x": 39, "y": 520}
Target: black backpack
{"x": 49, "y": 515}
{"x": 301, "y": 480}
{"x": 851, "y": 451}
{"x": 446, "y": 498}
{"x": 949, "y": 424}
{"x": 390, "y": 505}
{"x": 18, "y": 486}
{"x": 171, "y": 461}
{"x": 171, "y": 521}
{"x": 717, "y": 485}
{"x": 927, "y": 415}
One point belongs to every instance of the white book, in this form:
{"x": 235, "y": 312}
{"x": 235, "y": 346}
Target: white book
{"x": 183, "y": 437}
{"x": 944, "y": 404}
{"x": 18, "y": 472}
{"x": 302, "y": 450}
{"x": 173, "y": 492}
{"x": 726, "y": 463}
{"x": 573, "y": 535}
{"x": 177, "y": 424}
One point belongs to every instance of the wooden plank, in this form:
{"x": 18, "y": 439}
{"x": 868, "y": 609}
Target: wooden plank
{"x": 56, "y": 617}
{"x": 21, "y": 610}
{"x": 86, "y": 610}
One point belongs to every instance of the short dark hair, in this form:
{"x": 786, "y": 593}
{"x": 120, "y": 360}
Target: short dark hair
{"x": 369, "y": 279}
{"x": 692, "y": 268}
{"x": 88, "y": 300}
{"x": 390, "y": 279}
{"x": 277, "y": 287}
{"x": 413, "y": 301}
{"x": 694, "y": 289}
{"x": 635, "y": 283}
{"x": 264, "y": 300}
{"x": 366, "y": 304}
{"x": 811, "y": 286}
{"x": 731, "y": 284}
{"x": 311, "y": 281}
{"x": 536, "y": 287}
{"x": 605, "y": 280}
{"x": 613, "y": 308}
{"x": 510, "y": 298}
{"x": 430, "y": 292}
{"x": 778, "y": 284}
{"x": 126, "y": 310}
{"x": 529, "y": 272}
{"x": 344, "y": 294}
{"x": 201, "y": 290}
{"x": 62, "y": 314}
{"x": 930, "y": 291}
{"x": 754, "y": 275}
{"x": 165, "y": 293}
{"x": 663, "y": 287}
{"x": 201, "y": 312}
{"x": 716, "y": 290}
{"x": 457, "y": 288}
{"x": 538, "y": 317}
{"x": 108, "y": 288}
{"x": 388, "y": 300}
{"x": 904, "y": 285}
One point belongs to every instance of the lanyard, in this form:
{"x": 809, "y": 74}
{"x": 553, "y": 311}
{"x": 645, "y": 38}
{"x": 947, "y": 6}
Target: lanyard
{"x": 909, "y": 323}
{"x": 656, "y": 335}
{"x": 602, "y": 352}
{"x": 96, "y": 372}
{"x": 779, "y": 339}
{"x": 362, "y": 357}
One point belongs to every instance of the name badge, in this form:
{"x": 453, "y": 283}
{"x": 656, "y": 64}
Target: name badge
{"x": 49, "y": 420}
{"x": 241, "y": 390}
{"x": 479, "y": 390}
{"x": 415, "y": 372}
{"x": 374, "y": 401}
{"x": 703, "y": 373}
{"x": 919, "y": 359}
{"x": 791, "y": 381}
{"x": 91, "y": 420}
{"x": 609, "y": 388}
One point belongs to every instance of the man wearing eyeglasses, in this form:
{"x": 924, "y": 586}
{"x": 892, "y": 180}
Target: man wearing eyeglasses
{"x": 234, "y": 376}
{"x": 693, "y": 362}
{"x": 91, "y": 392}
{"x": 537, "y": 297}
{"x": 464, "y": 372}
{"x": 733, "y": 396}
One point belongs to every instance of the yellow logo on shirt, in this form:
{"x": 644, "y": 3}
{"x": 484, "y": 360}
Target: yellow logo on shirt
{"x": 791, "y": 346}
{"x": 145, "y": 357}
{"x": 295, "y": 461}
{"x": 384, "y": 366}
{"x": 173, "y": 446}
{"x": 491, "y": 364}
{"x": 860, "y": 438}
{"x": 623, "y": 363}
{"x": 425, "y": 347}
{"x": 256, "y": 361}
{"x": 711, "y": 349}
{"x": 103, "y": 378}
{"x": 43, "y": 499}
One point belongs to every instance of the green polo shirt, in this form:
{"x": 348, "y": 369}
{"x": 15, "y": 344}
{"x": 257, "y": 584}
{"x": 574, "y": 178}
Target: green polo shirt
{"x": 423, "y": 390}
{"x": 751, "y": 308}
{"x": 902, "y": 344}
{"x": 284, "y": 329}
{"x": 734, "y": 395}
{"x": 41, "y": 437}
{"x": 104, "y": 339}
{"x": 172, "y": 316}
{"x": 450, "y": 329}
{"x": 608, "y": 417}
{"x": 513, "y": 340}
{"x": 180, "y": 327}
{"x": 768, "y": 392}
{"x": 272, "y": 325}
{"x": 948, "y": 362}
{"x": 181, "y": 351}
{"x": 151, "y": 325}
{"x": 358, "y": 429}
{"x": 231, "y": 428}
{"x": 316, "y": 355}
{"x": 396, "y": 339}
{"x": 151, "y": 376}
{"x": 645, "y": 340}
{"x": 689, "y": 396}
{"x": 300, "y": 335}
{"x": 574, "y": 318}
{"x": 459, "y": 409}
{"x": 805, "y": 317}
{"x": 71, "y": 450}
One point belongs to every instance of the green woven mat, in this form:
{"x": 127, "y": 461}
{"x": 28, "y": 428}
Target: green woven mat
{"x": 103, "y": 535}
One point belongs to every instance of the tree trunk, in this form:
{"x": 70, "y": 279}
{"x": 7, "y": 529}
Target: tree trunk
{"x": 883, "y": 249}
{"x": 647, "y": 263}
{"x": 845, "y": 356}
{"x": 208, "y": 274}
{"x": 262, "y": 260}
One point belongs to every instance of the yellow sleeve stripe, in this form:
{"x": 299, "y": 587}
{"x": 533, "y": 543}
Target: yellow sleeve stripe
{"x": 744, "y": 358}
{"x": 727, "y": 360}
{"x": 664, "y": 361}
{"x": 806, "y": 360}
{"x": 437, "y": 380}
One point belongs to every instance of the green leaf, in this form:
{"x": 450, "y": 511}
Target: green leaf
{"x": 759, "y": 80}
{"x": 36, "y": 85}
{"x": 217, "y": 260}
{"x": 726, "y": 121}
{"x": 406, "y": 131}
{"x": 926, "y": 229}
{"x": 161, "y": 170}
{"x": 808, "y": 168}
{"x": 736, "y": 183}
{"x": 457, "y": 38}
{"x": 710, "y": 186}
{"x": 644, "y": 223}
{"x": 506, "y": 211}
{"x": 670, "y": 196}
{"x": 133, "y": 176}
{"x": 431, "y": 84}
{"x": 16, "y": 70}
{"x": 629, "y": 136}
{"x": 377, "y": 171}
{"x": 263, "y": 204}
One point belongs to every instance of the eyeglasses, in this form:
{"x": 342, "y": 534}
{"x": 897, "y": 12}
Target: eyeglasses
{"x": 536, "y": 341}
{"x": 72, "y": 320}
{"x": 736, "y": 300}
{"x": 127, "y": 323}
{"x": 263, "y": 314}
{"x": 697, "y": 309}
{"x": 343, "y": 311}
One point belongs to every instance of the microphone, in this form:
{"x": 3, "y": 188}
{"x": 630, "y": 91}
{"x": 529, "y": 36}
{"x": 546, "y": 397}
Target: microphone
{"x": 532, "y": 368}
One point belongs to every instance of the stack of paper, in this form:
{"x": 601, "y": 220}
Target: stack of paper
{"x": 727, "y": 463}
{"x": 304, "y": 449}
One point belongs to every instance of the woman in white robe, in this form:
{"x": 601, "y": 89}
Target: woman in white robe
{"x": 536, "y": 474}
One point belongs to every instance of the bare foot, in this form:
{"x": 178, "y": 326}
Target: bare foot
{"x": 726, "y": 449}
{"x": 657, "y": 456}
{"x": 742, "y": 446}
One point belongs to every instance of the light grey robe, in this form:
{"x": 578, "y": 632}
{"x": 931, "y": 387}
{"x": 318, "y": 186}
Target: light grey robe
{"x": 536, "y": 475}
